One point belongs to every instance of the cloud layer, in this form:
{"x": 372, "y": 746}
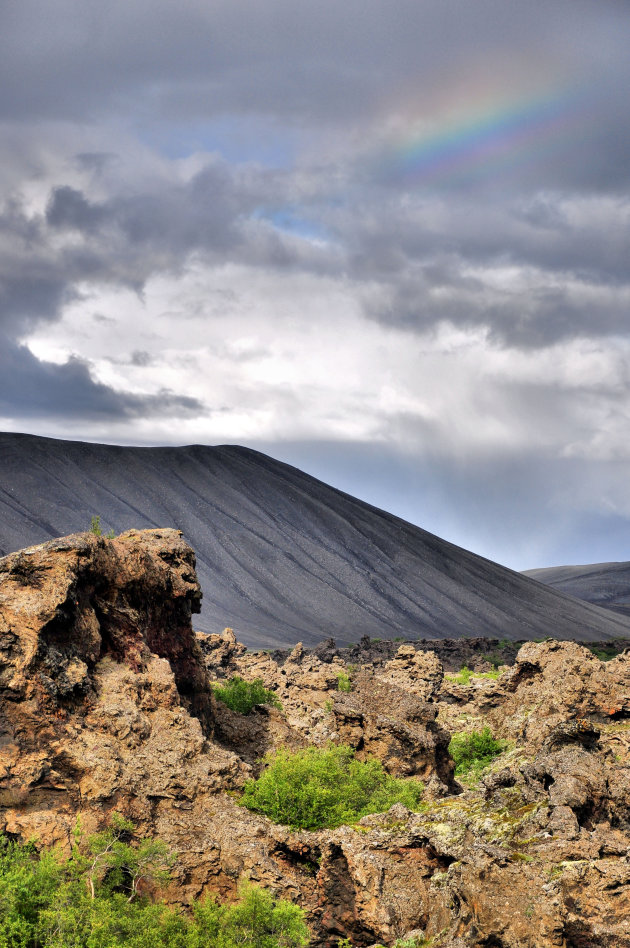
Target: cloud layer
{"x": 402, "y": 226}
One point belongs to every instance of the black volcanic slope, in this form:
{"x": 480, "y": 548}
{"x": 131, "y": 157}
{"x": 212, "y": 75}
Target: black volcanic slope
{"x": 281, "y": 556}
{"x": 603, "y": 584}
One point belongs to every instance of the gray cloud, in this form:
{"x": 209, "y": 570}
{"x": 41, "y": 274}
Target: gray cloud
{"x": 309, "y": 60}
{"x": 36, "y": 282}
{"x": 31, "y": 387}
{"x": 335, "y": 148}
{"x": 69, "y": 209}
{"x": 428, "y": 259}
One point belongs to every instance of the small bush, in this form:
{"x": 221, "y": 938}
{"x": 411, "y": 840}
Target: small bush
{"x": 243, "y": 696}
{"x": 474, "y": 750}
{"x": 462, "y": 677}
{"x": 256, "y": 921}
{"x": 89, "y": 901}
{"x": 325, "y": 787}
{"x": 493, "y": 675}
{"x": 343, "y": 682}
{"x": 604, "y": 652}
{"x": 97, "y": 530}
{"x": 465, "y": 675}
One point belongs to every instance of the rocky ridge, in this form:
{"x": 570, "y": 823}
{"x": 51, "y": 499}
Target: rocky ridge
{"x": 106, "y": 705}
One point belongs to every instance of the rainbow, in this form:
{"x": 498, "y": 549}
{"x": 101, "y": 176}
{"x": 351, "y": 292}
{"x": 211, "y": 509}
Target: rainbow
{"x": 461, "y": 148}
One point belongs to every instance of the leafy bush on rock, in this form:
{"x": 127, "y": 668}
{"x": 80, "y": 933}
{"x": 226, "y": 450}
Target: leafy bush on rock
{"x": 94, "y": 900}
{"x": 474, "y": 750}
{"x": 243, "y": 696}
{"x": 326, "y": 787}
{"x": 344, "y": 682}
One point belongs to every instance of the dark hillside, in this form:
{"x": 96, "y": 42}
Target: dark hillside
{"x": 603, "y": 584}
{"x": 281, "y": 556}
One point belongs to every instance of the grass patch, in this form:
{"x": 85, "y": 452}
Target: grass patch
{"x": 243, "y": 696}
{"x": 465, "y": 675}
{"x": 604, "y": 652}
{"x": 326, "y": 787}
{"x": 474, "y": 750}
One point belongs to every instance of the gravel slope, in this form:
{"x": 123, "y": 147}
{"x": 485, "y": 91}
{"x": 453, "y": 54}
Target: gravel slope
{"x": 603, "y": 584}
{"x": 281, "y": 556}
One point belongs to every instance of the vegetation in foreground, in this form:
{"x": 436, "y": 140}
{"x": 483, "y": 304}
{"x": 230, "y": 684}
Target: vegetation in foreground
{"x": 474, "y": 750}
{"x": 97, "y": 898}
{"x": 243, "y": 696}
{"x": 318, "y": 788}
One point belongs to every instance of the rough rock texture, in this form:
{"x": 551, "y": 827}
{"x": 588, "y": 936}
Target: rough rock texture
{"x": 106, "y": 704}
{"x": 534, "y": 854}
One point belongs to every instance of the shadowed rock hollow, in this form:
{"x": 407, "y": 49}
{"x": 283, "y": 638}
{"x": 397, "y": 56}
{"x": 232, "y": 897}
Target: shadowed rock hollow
{"x": 105, "y": 705}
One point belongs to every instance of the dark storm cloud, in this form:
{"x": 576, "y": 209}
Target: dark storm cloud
{"x": 35, "y": 283}
{"x": 169, "y": 217}
{"x": 31, "y": 387}
{"x": 418, "y": 253}
{"x": 317, "y": 63}
{"x": 435, "y": 260}
{"x": 529, "y": 319}
{"x": 279, "y": 55}
{"x": 69, "y": 209}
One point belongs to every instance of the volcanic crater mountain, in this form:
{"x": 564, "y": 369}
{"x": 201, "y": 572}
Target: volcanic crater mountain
{"x": 281, "y": 556}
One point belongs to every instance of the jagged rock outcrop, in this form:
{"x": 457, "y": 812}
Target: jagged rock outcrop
{"x": 106, "y": 705}
{"x": 104, "y": 696}
{"x": 386, "y": 721}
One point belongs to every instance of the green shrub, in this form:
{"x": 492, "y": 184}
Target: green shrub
{"x": 465, "y": 674}
{"x": 256, "y": 921}
{"x": 90, "y": 901}
{"x": 343, "y": 682}
{"x": 462, "y": 677}
{"x": 604, "y": 652}
{"x": 318, "y": 787}
{"x": 243, "y": 696}
{"x": 97, "y": 530}
{"x": 493, "y": 674}
{"x": 474, "y": 750}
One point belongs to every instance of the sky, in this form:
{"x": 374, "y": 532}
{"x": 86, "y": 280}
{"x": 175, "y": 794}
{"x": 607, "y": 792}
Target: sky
{"x": 387, "y": 242}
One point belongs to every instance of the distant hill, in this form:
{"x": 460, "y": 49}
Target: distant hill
{"x": 604, "y": 584}
{"x": 281, "y": 556}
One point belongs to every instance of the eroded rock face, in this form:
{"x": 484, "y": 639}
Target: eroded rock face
{"x": 106, "y": 705}
{"x": 66, "y": 603}
{"x": 104, "y": 699}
